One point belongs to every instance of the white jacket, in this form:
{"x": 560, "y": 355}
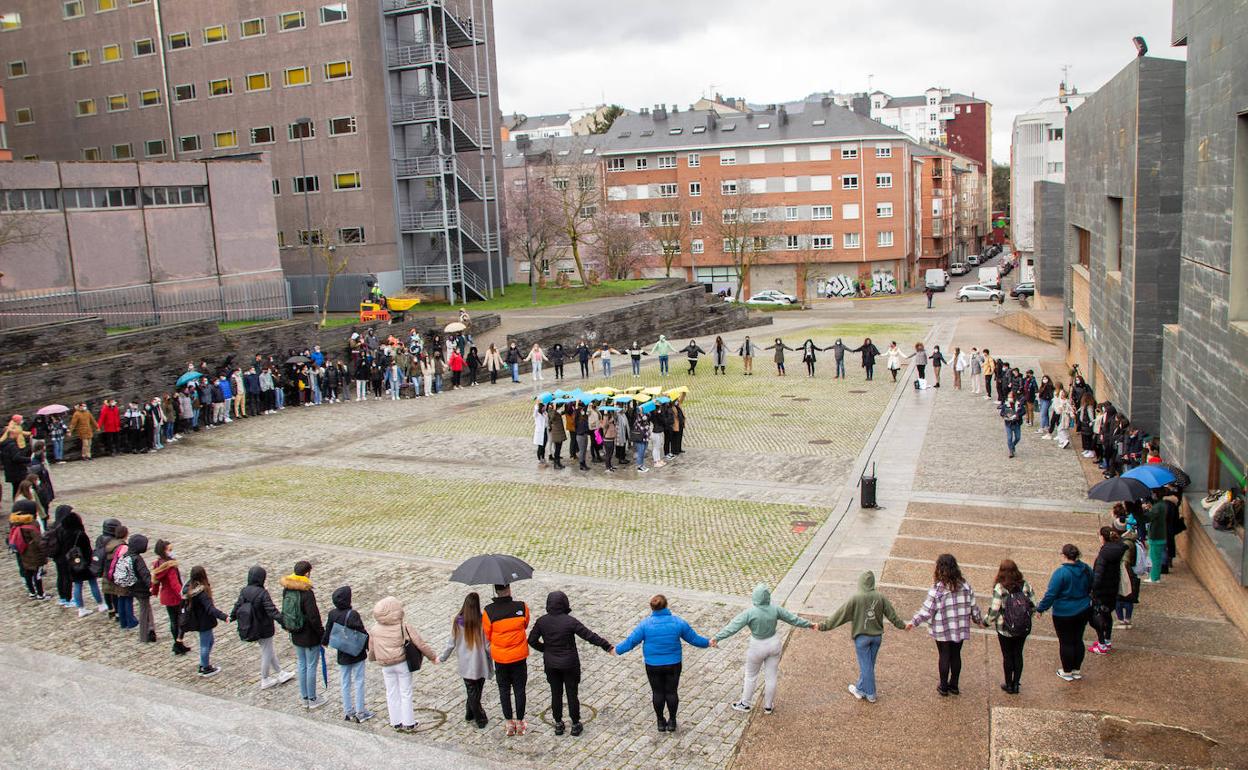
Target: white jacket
{"x": 894, "y": 358}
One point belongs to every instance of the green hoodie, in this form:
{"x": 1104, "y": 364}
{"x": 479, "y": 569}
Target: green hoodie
{"x": 761, "y": 618}
{"x": 865, "y": 610}
{"x": 662, "y": 347}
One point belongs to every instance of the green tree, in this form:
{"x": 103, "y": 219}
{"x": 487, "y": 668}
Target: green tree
{"x": 1001, "y": 187}
{"x": 602, "y": 123}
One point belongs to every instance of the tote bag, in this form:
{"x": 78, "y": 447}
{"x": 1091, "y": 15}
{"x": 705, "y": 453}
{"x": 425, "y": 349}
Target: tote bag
{"x": 347, "y": 640}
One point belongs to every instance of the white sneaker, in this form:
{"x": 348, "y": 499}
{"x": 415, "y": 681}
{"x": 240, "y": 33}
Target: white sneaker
{"x": 267, "y": 682}
{"x": 101, "y": 608}
{"x": 317, "y": 702}
{"x": 1076, "y": 674}
{"x": 739, "y": 706}
{"x": 84, "y": 612}
{"x": 1067, "y": 676}
{"x": 284, "y": 676}
{"x": 854, "y": 691}
{"x": 1047, "y": 436}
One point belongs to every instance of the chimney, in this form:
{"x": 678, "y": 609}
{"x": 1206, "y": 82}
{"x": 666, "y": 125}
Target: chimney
{"x": 710, "y": 120}
{"x": 660, "y": 112}
{"x": 644, "y": 111}
{"x": 825, "y": 102}
{"x": 675, "y": 109}
{"x": 782, "y": 115}
{"x": 523, "y": 143}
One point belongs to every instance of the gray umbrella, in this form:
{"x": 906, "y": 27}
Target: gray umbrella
{"x": 496, "y": 569}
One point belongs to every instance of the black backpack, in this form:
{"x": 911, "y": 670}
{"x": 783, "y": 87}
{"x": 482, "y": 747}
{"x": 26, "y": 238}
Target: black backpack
{"x": 1016, "y": 611}
{"x": 245, "y": 617}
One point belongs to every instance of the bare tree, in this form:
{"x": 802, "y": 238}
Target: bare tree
{"x": 576, "y": 189}
{"x": 738, "y": 218}
{"x": 620, "y": 243}
{"x": 533, "y": 224}
{"x": 668, "y": 226}
{"x": 19, "y": 229}
{"x": 327, "y": 242}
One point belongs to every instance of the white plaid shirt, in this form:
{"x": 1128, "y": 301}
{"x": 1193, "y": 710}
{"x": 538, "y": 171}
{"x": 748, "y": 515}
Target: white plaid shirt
{"x": 949, "y": 614}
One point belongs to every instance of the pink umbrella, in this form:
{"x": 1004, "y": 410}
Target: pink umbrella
{"x": 53, "y": 409}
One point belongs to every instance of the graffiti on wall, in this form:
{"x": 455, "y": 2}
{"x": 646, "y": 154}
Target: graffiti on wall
{"x": 840, "y": 286}
{"x": 882, "y": 282}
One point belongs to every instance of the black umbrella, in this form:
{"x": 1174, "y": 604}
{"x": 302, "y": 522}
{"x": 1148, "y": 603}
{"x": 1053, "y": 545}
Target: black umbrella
{"x": 298, "y": 360}
{"x": 1119, "y": 488}
{"x": 1181, "y": 478}
{"x": 495, "y": 569}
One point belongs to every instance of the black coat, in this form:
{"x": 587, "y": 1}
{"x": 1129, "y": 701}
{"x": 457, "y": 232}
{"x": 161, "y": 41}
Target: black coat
{"x": 142, "y": 575}
{"x": 201, "y": 614}
{"x": 1105, "y": 574}
{"x": 554, "y": 634}
{"x": 309, "y": 635}
{"x": 15, "y": 460}
{"x": 869, "y": 352}
{"x": 344, "y": 614}
{"x": 266, "y": 613}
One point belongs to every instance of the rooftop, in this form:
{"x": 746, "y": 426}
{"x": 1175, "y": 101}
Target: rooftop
{"x": 521, "y": 122}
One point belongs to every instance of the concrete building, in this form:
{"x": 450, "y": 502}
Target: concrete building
{"x": 1204, "y": 424}
{"x": 394, "y": 162}
{"x": 827, "y": 192}
{"x": 5, "y": 152}
{"x": 1037, "y": 153}
{"x": 141, "y": 242}
{"x": 1049, "y": 256}
{"x": 579, "y": 121}
{"x": 1123, "y": 197}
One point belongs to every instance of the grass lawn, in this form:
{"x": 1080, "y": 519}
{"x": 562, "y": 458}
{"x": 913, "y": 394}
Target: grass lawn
{"x": 519, "y": 296}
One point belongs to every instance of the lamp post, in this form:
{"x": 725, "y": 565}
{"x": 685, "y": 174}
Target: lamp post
{"x": 305, "y": 131}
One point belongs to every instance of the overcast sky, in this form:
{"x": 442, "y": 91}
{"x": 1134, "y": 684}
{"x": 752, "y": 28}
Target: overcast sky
{"x": 557, "y": 54}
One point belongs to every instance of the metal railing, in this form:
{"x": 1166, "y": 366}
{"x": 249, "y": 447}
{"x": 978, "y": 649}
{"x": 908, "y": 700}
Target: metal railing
{"x": 428, "y": 109}
{"x": 437, "y": 220}
{"x": 436, "y": 165}
{"x": 440, "y": 275}
{"x": 426, "y": 53}
{"x": 462, "y": 20}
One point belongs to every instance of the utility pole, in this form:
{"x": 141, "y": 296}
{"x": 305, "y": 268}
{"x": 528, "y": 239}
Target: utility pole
{"x": 528, "y": 228}
{"x": 305, "y": 131}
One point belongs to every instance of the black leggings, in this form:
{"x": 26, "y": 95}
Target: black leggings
{"x": 922, "y": 371}
{"x": 174, "y": 612}
{"x": 558, "y": 371}
{"x": 493, "y": 376}
{"x": 33, "y": 579}
{"x": 870, "y": 371}
{"x": 512, "y": 677}
{"x": 584, "y": 369}
{"x": 64, "y": 581}
{"x": 950, "y": 664}
{"x": 693, "y": 366}
{"x": 988, "y": 385}
{"x": 664, "y": 688}
{"x": 541, "y": 453}
{"x": 1070, "y": 639}
{"x": 562, "y": 679}
{"x": 1102, "y": 621}
{"x": 473, "y": 710}
{"x": 1012, "y": 657}
{"x": 810, "y": 368}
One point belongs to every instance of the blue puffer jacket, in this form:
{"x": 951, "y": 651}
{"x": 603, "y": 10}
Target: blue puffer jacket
{"x": 1070, "y": 590}
{"x": 660, "y": 636}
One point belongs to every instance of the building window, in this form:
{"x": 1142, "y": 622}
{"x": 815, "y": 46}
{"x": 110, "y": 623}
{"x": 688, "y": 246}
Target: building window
{"x": 225, "y": 140}
{"x": 281, "y": 239}
{"x": 884, "y": 238}
{"x": 615, "y": 164}
{"x": 154, "y": 148}
{"x": 90, "y": 153}
{"x": 215, "y": 33}
{"x": 1239, "y": 223}
{"x": 849, "y": 153}
{"x": 695, "y": 217}
{"x": 351, "y": 236}
{"x": 144, "y": 47}
{"x": 559, "y": 184}
{"x": 641, "y": 164}
{"x": 884, "y": 181}
{"x": 118, "y": 103}
{"x": 123, "y": 151}
{"x": 587, "y": 212}
{"x": 758, "y": 215}
{"x": 105, "y": 5}
{"x": 29, "y": 200}
{"x": 694, "y": 159}
{"x": 728, "y": 188}
{"x": 110, "y": 53}
{"x": 72, "y": 9}
{"x": 10, "y": 22}
{"x": 188, "y": 143}
{"x": 728, "y": 158}
{"x": 851, "y": 240}
{"x": 695, "y": 189}
{"x": 299, "y": 131}
{"x": 222, "y": 87}
{"x": 338, "y": 70}
{"x": 342, "y": 126}
{"x": 179, "y": 40}
{"x": 1113, "y": 233}
{"x": 262, "y": 135}
{"x": 820, "y": 212}
{"x": 100, "y": 198}
{"x": 23, "y": 116}
{"x": 1056, "y": 134}
{"x": 17, "y": 69}
{"x": 79, "y": 59}
{"x": 849, "y": 182}
{"x": 667, "y": 161}
{"x": 84, "y": 108}
{"x": 296, "y": 76}
{"x": 849, "y": 211}
{"x": 312, "y": 237}
{"x": 258, "y": 81}
{"x": 1083, "y": 239}
{"x": 667, "y": 191}
{"x": 884, "y": 210}
{"x": 290, "y": 20}
{"x": 149, "y": 97}
{"x": 184, "y": 92}
{"x": 728, "y": 216}
{"x": 790, "y": 213}
{"x": 821, "y": 242}
{"x": 883, "y": 152}
{"x": 792, "y": 242}
{"x": 277, "y": 187}
{"x": 643, "y": 218}
{"x": 180, "y": 195}
{"x": 251, "y": 28}
{"x": 730, "y": 245}
{"x": 333, "y": 13}
{"x": 306, "y": 184}
{"x": 696, "y": 246}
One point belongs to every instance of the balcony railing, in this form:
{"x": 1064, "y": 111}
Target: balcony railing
{"x": 465, "y": 32}
{"x": 439, "y": 219}
{"x": 428, "y": 109}
{"x": 437, "y": 165}
{"x": 426, "y": 53}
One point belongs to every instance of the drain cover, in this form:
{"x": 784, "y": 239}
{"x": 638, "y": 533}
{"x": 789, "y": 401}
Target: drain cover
{"x": 821, "y": 441}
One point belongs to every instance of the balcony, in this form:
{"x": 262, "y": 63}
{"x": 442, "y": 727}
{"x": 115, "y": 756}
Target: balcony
{"x": 471, "y": 187}
{"x": 464, "y": 81}
{"x": 460, "y": 29}
{"x": 439, "y": 220}
{"x": 467, "y": 134}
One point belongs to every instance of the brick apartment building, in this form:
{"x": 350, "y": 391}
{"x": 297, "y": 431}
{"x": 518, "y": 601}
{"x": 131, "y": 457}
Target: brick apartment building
{"x": 5, "y": 152}
{"x": 398, "y": 97}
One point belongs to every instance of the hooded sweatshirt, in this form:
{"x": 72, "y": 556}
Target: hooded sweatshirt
{"x": 344, "y": 614}
{"x": 662, "y": 347}
{"x": 266, "y": 615}
{"x": 201, "y": 614}
{"x": 660, "y": 636}
{"x": 865, "y": 611}
{"x": 386, "y": 637}
{"x": 73, "y": 535}
{"x": 554, "y": 634}
{"x": 142, "y": 575}
{"x": 761, "y": 618}
{"x": 1070, "y": 590}
{"x": 309, "y": 635}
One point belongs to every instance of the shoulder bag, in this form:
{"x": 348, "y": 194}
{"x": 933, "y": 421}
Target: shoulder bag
{"x": 347, "y": 640}
{"x": 411, "y": 652}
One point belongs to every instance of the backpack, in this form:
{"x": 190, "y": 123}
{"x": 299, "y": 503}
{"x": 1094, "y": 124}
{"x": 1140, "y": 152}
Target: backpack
{"x": 1143, "y": 564}
{"x": 292, "y": 610}
{"x": 111, "y": 572}
{"x": 17, "y": 541}
{"x": 76, "y": 559}
{"x": 245, "y": 617}
{"x": 97, "y": 559}
{"x": 124, "y": 575}
{"x": 1016, "y": 612}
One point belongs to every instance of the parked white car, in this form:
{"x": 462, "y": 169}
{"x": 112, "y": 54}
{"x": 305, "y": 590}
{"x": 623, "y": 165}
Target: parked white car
{"x": 976, "y": 291}
{"x": 959, "y": 268}
{"x": 772, "y": 297}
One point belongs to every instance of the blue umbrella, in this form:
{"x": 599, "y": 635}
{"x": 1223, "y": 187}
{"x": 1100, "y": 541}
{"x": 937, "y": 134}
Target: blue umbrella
{"x": 1152, "y": 475}
{"x": 546, "y": 398}
{"x": 623, "y": 399}
{"x": 663, "y": 400}
{"x": 586, "y": 398}
{"x": 608, "y": 409}
{"x": 600, "y": 397}
{"x": 561, "y": 393}
{"x": 562, "y": 401}
{"x": 188, "y": 377}
{"x": 648, "y": 407}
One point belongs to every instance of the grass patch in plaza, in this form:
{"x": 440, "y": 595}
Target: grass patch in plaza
{"x": 520, "y": 296}
{"x": 699, "y": 543}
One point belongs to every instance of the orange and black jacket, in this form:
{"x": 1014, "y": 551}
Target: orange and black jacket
{"x": 505, "y": 623}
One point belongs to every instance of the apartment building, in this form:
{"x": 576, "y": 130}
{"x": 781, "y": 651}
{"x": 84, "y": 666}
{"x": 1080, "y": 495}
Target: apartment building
{"x": 968, "y": 212}
{"x": 933, "y": 183}
{"x": 579, "y": 121}
{"x": 5, "y": 152}
{"x": 1037, "y": 153}
{"x": 826, "y": 191}
{"x": 378, "y": 118}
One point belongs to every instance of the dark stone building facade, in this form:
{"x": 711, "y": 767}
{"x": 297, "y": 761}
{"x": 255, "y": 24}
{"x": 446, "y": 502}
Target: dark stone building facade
{"x": 1049, "y": 234}
{"x": 1124, "y": 174}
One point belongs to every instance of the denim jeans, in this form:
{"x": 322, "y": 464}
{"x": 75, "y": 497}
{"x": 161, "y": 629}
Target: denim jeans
{"x": 437, "y": 383}
{"x": 1045, "y": 405}
{"x": 515, "y": 372}
{"x": 636, "y": 362}
{"x": 840, "y": 367}
{"x": 352, "y": 681}
{"x": 280, "y": 395}
{"x": 95, "y": 592}
{"x": 867, "y": 647}
{"x": 306, "y": 669}
{"x": 606, "y": 368}
{"x": 641, "y": 454}
{"x": 58, "y": 448}
{"x": 662, "y": 364}
{"x": 125, "y": 612}
{"x": 205, "y": 647}
{"x": 1013, "y": 434}
{"x": 316, "y": 394}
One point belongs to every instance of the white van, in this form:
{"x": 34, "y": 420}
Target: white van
{"x": 936, "y": 279}
{"x": 990, "y": 276}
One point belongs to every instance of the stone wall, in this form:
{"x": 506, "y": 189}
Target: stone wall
{"x": 1049, "y": 233}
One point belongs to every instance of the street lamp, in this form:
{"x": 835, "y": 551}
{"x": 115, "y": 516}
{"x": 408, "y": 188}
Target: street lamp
{"x": 305, "y": 131}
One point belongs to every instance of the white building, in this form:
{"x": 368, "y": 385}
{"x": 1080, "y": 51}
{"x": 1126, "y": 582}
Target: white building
{"x": 923, "y": 117}
{"x": 1037, "y": 153}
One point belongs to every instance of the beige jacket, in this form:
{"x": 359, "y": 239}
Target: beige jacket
{"x": 385, "y": 638}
